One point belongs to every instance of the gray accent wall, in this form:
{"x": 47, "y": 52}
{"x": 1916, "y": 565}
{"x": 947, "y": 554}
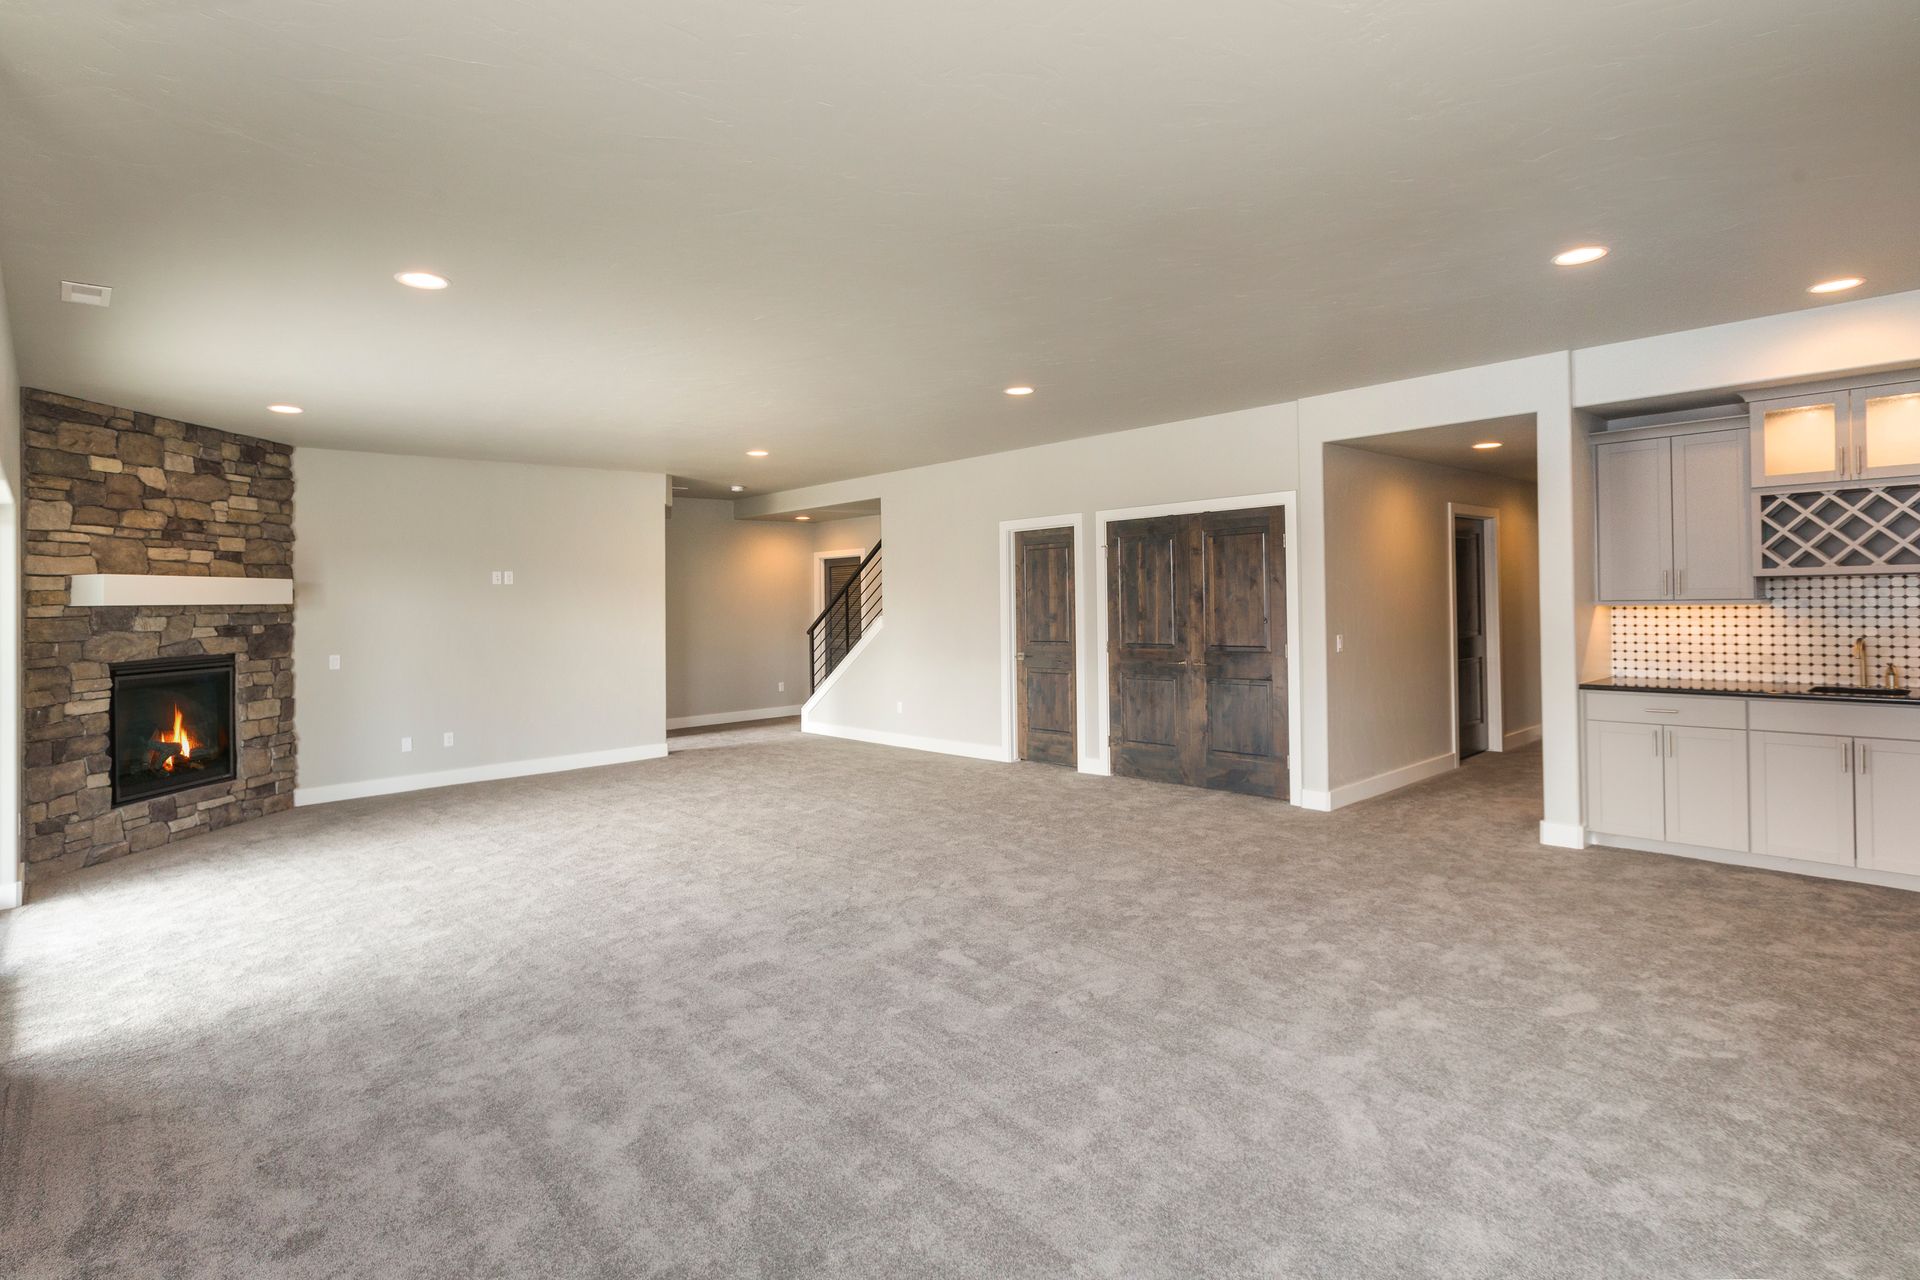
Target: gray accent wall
{"x": 394, "y": 557}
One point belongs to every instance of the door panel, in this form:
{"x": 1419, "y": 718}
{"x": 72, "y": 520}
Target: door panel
{"x": 1888, "y": 797}
{"x": 1197, "y": 649}
{"x": 1470, "y": 633}
{"x": 1802, "y": 796}
{"x": 1712, "y": 528}
{"x": 1707, "y": 787}
{"x": 1635, "y": 519}
{"x": 1626, "y": 767}
{"x": 1045, "y": 656}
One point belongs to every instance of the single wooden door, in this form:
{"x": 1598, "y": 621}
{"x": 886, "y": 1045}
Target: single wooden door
{"x": 843, "y": 625}
{"x": 1044, "y": 658}
{"x": 1197, "y": 649}
{"x": 1470, "y": 633}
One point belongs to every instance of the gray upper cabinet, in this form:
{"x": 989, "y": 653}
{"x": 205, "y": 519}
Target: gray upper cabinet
{"x": 1712, "y": 529}
{"x": 1673, "y": 520}
{"x": 1831, "y": 437}
{"x": 1634, "y": 508}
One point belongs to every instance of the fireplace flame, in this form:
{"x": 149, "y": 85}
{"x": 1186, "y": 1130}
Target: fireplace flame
{"x": 179, "y": 738}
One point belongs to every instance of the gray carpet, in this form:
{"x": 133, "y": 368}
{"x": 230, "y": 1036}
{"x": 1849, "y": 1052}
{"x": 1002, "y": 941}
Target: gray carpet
{"x": 779, "y": 1006}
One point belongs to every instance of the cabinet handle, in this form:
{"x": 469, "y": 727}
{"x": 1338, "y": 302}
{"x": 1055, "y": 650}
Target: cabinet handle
{"x": 1666, "y": 582}
{"x": 1672, "y": 744}
{"x": 1859, "y": 460}
{"x": 1662, "y": 711}
{"x": 1866, "y": 758}
{"x": 1846, "y": 757}
{"x": 1679, "y": 582}
{"x": 1656, "y": 744}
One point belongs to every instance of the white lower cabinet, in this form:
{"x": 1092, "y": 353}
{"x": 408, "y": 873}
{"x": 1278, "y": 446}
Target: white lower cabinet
{"x": 1626, "y": 779}
{"x": 1802, "y": 796}
{"x": 1706, "y": 784}
{"x": 1887, "y": 797}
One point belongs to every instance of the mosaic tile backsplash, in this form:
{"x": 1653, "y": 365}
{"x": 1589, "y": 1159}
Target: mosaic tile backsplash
{"x": 1803, "y": 635}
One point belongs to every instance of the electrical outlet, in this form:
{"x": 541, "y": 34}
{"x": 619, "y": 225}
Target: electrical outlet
{"x": 509, "y": 577}
{"x": 333, "y": 662}
{"x": 406, "y": 744}
{"x": 1339, "y": 644}
{"x": 899, "y": 708}
{"x": 783, "y": 686}
{"x": 496, "y": 577}
{"x": 446, "y": 739}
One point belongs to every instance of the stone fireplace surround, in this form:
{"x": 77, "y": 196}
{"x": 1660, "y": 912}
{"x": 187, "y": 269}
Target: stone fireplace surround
{"x": 112, "y": 491}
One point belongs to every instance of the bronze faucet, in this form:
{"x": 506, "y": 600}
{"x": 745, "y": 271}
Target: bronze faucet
{"x": 1860, "y": 661}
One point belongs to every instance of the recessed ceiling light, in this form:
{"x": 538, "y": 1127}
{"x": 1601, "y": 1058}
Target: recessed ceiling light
{"x": 421, "y": 280}
{"x": 1840, "y": 285}
{"x": 803, "y": 517}
{"x": 1581, "y": 256}
{"x": 756, "y": 453}
{"x": 1019, "y": 391}
{"x": 1488, "y": 444}
{"x": 285, "y": 408}
{"x": 738, "y": 488}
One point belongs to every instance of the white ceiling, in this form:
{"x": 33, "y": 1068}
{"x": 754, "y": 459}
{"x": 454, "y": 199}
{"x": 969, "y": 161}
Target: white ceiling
{"x": 678, "y": 229}
{"x": 1517, "y": 458}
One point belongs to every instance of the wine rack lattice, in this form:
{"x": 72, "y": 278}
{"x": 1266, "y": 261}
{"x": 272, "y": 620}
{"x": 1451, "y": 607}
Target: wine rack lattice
{"x": 1871, "y": 529}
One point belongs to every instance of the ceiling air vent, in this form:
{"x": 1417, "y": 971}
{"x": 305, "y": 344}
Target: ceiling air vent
{"x": 87, "y": 295}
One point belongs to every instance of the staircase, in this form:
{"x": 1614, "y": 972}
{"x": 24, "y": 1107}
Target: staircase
{"x": 846, "y": 618}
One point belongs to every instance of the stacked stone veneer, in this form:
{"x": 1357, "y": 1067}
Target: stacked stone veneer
{"x": 112, "y": 491}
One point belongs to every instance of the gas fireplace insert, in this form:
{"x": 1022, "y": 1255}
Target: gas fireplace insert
{"x": 172, "y": 726}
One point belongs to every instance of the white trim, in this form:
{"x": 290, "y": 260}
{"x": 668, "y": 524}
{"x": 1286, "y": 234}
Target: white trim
{"x": 1392, "y": 780}
{"x": 1563, "y": 835}
{"x": 303, "y": 796}
{"x": 731, "y": 717}
{"x": 92, "y": 590}
{"x": 1318, "y": 801}
{"x": 833, "y": 677}
{"x": 1518, "y": 738}
{"x": 1761, "y": 862}
{"x": 12, "y": 894}
{"x": 820, "y": 572}
{"x": 1009, "y": 707}
{"x": 1489, "y": 518}
{"x": 940, "y": 746}
{"x": 1098, "y": 758}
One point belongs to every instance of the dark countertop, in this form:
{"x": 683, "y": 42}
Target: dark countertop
{"x": 1736, "y": 689}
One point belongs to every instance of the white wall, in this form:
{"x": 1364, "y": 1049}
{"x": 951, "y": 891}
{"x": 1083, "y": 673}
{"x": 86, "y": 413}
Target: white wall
{"x": 934, "y": 673}
{"x": 739, "y": 597}
{"x": 1389, "y": 548}
{"x": 392, "y": 566}
{"x": 11, "y": 504}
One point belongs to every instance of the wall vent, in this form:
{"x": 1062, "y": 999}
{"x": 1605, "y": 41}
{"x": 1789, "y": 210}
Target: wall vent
{"x": 87, "y": 295}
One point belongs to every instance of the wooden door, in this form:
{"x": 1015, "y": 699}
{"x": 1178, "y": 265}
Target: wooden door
{"x": 1887, "y": 792}
{"x": 1044, "y": 654}
{"x": 1634, "y": 500}
{"x": 1712, "y": 526}
{"x": 1626, "y": 779}
{"x": 1802, "y": 796}
{"x": 1470, "y": 633}
{"x": 1152, "y": 596}
{"x": 1707, "y": 787}
{"x": 1197, "y": 648}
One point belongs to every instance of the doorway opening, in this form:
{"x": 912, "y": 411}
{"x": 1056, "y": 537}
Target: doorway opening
{"x": 1477, "y": 713}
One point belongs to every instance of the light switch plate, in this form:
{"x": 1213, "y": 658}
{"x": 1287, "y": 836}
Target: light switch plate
{"x": 406, "y": 744}
{"x": 496, "y": 577}
{"x": 509, "y": 577}
{"x": 333, "y": 662}
{"x": 446, "y": 739}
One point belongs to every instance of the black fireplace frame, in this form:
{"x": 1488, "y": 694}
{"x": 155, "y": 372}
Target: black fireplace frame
{"x": 154, "y": 669}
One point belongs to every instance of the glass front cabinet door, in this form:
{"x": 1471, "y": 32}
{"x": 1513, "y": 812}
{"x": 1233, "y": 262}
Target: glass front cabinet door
{"x": 1886, "y": 431}
{"x": 1800, "y": 441}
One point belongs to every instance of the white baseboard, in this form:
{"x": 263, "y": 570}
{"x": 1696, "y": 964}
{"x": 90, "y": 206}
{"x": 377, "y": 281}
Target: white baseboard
{"x": 1318, "y": 801}
{"x": 303, "y": 796}
{"x": 1392, "y": 780}
{"x": 1521, "y": 738}
{"x": 1563, "y": 835}
{"x": 732, "y": 717}
{"x": 12, "y": 894}
{"x": 1761, "y": 862}
{"x": 1096, "y": 766}
{"x": 940, "y": 746}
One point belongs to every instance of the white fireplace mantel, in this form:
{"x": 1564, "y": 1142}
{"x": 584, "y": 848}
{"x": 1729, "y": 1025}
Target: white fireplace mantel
{"x": 99, "y": 589}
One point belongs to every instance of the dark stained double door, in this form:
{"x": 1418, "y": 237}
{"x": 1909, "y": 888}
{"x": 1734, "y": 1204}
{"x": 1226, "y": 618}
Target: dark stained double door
{"x": 1197, "y": 649}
